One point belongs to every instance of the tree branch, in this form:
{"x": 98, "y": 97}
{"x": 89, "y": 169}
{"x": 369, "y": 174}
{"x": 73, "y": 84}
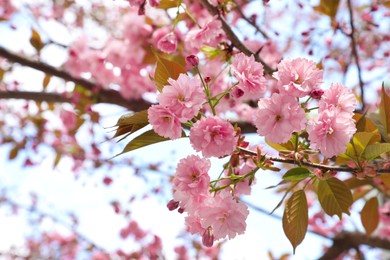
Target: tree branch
{"x": 355, "y": 52}
{"x": 103, "y": 95}
{"x": 233, "y": 37}
{"x": 36, "y": 96}
{"x": 314, "y": 165}
{"x": 347, "y": 240}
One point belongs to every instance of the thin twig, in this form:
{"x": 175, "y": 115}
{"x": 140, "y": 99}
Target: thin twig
{"x": 250, "y": 21}
{"x": 355, "y": 52}
{"x": 314, "y": 165}
{"x": 233, "y": 37}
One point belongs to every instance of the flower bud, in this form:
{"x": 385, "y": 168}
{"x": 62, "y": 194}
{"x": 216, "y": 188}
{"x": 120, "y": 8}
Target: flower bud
{"x": 316, "y": 93}
{"x": 208, "y": 237}
{"x": 192, "y": 60}
{"x": 172, "y": 205}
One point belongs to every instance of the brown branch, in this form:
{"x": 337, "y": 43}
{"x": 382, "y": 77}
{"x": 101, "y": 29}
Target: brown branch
{"x": 355, "y": 52}
{"x": 36, "y": 96}
{"x": 314, "y": 165}
{"x": 103, "y": 95}
{"x": 233, "y": 37}
{"x": 347, "y": 240}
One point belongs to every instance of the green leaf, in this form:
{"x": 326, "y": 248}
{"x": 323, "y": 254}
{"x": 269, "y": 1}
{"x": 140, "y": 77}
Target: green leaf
{"x": 210, "y": 52}
{"x": 384, "y": 111}
{"x": 362, "y": 139}
{"x": 334, "y": 196}
{"x": 166, "y": 69}
{"x": 289, "y": 146}
{"x": 145, "y": 139}
{"x": 295, "y": 218}
{"x": 370, "y": 215}
{"x": 297, "y": 174}
{"x": 328, "y": 7}
{"x": 36, "y": 40}
{"x": 374, "y": 150}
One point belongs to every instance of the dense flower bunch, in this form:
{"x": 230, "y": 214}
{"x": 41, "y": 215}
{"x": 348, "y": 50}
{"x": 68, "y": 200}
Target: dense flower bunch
{"x": 281, "y": 113}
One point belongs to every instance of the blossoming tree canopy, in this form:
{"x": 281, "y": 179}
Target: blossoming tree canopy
{"x": 213, "y": 71}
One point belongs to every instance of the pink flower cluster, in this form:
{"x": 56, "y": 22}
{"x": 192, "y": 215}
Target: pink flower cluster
{"x": 280, "y": 115}
{"x": 179, "y": 102}
{"x": 213, "y": 217}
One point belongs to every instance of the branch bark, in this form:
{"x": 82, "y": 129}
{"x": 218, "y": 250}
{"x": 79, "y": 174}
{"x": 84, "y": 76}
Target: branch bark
{"x": 348, "y": 240}
{"x": 103, "y": 95}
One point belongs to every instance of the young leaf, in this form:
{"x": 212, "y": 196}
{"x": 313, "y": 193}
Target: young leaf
{"x": 384, "y": 111}
{"x": 370, "y": 215}
{"x": 36, "y": 40}
{"x": 374, "y": 150}
{"x": 328, "y": 7}
{"x": 138, "y": 118}
{"x": 145, "y": 139}
{"x": 166, "y": 4}
{"x": 364, "y": 124}
{"x": 166, "y": 69}
{"x": 362, "y": 139}
{"x": 297, "y": 174}
{"x": 334, "y": 196}
{"x": 295, "y": 218}
{"x": 46, "y": 80}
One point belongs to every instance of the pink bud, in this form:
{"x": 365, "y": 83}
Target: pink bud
{"x": 192, "y": 60}
{"x": 208, "y": 237}
{"x": 207, "y": 79}
{"x": 168, "y": 43}
{"x": 107, "y": 180}
{"x": 180, "y": 210}
{"x": 172, "y": 205}
{"x": 237, "y": 92}
{"x": 316, "y": 93}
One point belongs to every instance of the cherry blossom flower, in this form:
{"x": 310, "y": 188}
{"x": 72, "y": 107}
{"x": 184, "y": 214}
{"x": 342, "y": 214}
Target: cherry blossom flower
{"x": 168, "y": 43}
{"x": 224, "y": 215}
{"x": 331, "y": 132}
{"x": 250, "y": 75}
{"x": 184, "y": 97}
{"x": 191, "y": 181}
{"x": 210, "y": 34}
{"x": 213, "y": 136}
{"x": 339, "y": 97}
{"x": 164, "y": 122}
{"x": 278, "y": 117}
{"x": 298, "y": 77}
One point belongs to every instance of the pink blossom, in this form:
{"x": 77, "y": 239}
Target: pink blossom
{"x": 210, "y": 34}
{"x": 243, "y": 187}
{"x": 164, "y": 122}
{"x": 339, "y": 97}
{"x": 224, "y": 215}
{"x": 331, "y": 132}
{"x": 213, "y": 136}
{"x": 168, "y": 43}
{"x": 184, "y": 97}
{"x": 278, "y": 117}
{"x": 191, "y": 181}
{"x": 298, "y": 77}
{"x": 193, "y": 223}
{"x": 250, "y": 75}
{"x": 69, "y": 120}
{"x": 182, "y": 253}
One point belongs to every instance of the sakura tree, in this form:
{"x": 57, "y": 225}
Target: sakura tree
{"x": 305, "y": 80}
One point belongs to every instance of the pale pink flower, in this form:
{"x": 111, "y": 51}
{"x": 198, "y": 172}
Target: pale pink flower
{"x": 243, "y": 187}
{"x": 384, "y": 212}
{"x": 191, "y": 181}
{"x": 213, "y": 136}
{"x": 184, "y": 97}
{"x": 193, "y": 223}
{"x": 268, "y": 51}
{"x": 339, "y": 97}
{"x": 69, "y": 120}
{"x": 298, "y": 77}
{"x": 6, "y": 9}
{"x": 250, "y": 74}
{"x": 168, "y": 43}
{"x": 210, "y": 34}
{"x": 331, "y": 132}
{"x": 164, "y": 122}
{"x": 278, "y": 117}
{"x": 224, "y": 215}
